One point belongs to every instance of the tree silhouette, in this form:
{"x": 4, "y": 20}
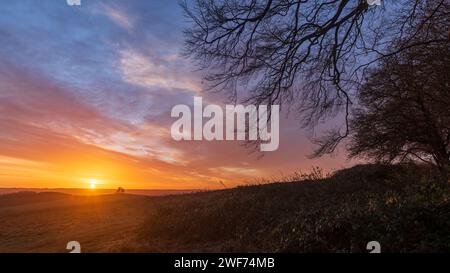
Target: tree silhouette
{"x": 309, "y": 55}
{"x": 404, "y": 108}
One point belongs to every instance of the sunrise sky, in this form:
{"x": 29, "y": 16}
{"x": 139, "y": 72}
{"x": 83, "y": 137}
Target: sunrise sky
{"x": 86, "y": 94}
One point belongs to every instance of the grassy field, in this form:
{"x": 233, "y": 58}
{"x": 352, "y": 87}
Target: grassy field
{"x": 45, "y": 222}
{"x": 399, "y": 206}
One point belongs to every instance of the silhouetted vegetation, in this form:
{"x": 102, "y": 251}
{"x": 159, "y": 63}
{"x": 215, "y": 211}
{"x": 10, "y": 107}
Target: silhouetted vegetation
{"x": 400, "y": 206}
{"x": 403, "y": 111}
{"x": 309, "y": 55}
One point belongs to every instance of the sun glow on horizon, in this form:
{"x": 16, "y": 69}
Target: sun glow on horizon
{"x": 93, "y": 183}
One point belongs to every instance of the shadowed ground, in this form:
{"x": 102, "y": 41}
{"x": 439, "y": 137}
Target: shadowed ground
{"x": 399, "y": 206}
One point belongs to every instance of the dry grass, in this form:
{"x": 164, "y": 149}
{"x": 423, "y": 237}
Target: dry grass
{"x": 45, "y": 222}
{"x": 399, "y": 206}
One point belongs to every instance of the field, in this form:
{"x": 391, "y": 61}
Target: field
{"x": 399, "y": 206}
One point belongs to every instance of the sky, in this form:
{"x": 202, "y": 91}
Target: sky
{"x": 86, "y": 93}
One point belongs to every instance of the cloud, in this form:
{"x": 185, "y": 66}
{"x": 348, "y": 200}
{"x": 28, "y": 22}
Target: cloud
{"x": 236, "y": 171}
{"x": 150, "y": 72}
{"x": 118, "y": 16}
{"x": 33, "y": 100}
{"x": 89, "y": 92}
{"x": 145, "y": 141}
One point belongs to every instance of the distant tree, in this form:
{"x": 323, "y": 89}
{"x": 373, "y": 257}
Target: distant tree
{"x": 308, "y": 54}
{"x": 120, "y": 190}
{"x": 404, "y": 108}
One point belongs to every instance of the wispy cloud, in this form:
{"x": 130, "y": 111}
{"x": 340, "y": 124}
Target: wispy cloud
{"x": 95, "y": 100}
{"x": 118, "y": 16}
{"x": 143, "y": 70}
{"x": 236, "y": 170}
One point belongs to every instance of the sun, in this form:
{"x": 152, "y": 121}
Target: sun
{"x": 92, "y": 183}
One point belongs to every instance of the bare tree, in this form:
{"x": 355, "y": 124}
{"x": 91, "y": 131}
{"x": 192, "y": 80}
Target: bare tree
{"x": 310, "y": 55}
{"x": 404, "y": 108}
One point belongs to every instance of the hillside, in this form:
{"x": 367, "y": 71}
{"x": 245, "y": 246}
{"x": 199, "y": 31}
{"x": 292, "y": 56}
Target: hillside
{"x": 398, "y": 206}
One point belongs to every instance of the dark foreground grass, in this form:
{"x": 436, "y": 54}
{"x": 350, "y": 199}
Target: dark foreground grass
{"x": 399, "y": 206}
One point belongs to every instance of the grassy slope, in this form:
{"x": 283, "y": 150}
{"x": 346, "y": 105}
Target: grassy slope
{"x": 398, "y": 207}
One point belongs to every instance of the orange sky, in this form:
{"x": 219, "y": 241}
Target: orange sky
{"x": 86, "y": 93}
